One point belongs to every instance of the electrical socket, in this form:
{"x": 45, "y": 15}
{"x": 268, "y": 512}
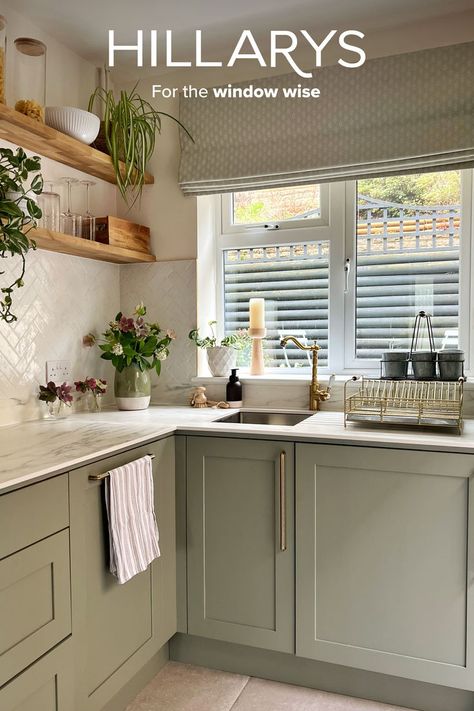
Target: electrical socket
{"x": 59, "y": 371}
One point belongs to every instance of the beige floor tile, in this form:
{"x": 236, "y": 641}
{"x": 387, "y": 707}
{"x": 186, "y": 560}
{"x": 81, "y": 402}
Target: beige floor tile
{"x": 262, "y": 695}
{"x": 182, "y": 687}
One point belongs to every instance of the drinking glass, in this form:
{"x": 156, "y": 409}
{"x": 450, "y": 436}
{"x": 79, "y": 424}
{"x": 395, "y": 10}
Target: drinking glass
{"x": 71, "y": 223}
{"x": 88, "y": 219}
{"x": 49, "y": 202}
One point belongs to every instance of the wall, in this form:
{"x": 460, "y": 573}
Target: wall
{"x": 70, "y": 79}
{"x": 64, "y": 297}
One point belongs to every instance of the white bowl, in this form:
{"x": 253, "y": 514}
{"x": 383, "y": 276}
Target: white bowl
{"x": 73, "y": 122}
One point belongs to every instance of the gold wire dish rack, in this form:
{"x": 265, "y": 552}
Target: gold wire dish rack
{"x": 413, "y": 402}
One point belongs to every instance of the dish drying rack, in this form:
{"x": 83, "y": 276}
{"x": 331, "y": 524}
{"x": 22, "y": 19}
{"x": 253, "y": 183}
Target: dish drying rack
{"x": 434, "y": 403}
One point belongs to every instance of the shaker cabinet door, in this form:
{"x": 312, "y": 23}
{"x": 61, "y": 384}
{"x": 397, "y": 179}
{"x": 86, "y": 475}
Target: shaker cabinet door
{"x": 117, "y": 628}
{"x": 384, "y": 561}
{"x": 240, "y": 567}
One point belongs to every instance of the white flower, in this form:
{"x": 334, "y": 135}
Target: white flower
{"x": 117, "y": 349}
{"x": 162, "y": 354}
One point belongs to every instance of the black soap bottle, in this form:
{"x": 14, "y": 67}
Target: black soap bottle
{"x": 234, "y": 390}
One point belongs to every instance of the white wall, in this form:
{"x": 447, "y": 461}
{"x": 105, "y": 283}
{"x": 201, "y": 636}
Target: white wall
{"x": 70, "y": 79}
{"x": 64, "y": 297}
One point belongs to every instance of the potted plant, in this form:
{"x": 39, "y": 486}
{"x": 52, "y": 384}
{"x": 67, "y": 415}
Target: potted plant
{"x": 134, "y": 347}
{"x": 94, "y": 389}
{"x": 58, "y": 399}
{"x": 129, "y": 128}
{"x": 19, "y": 213}
{"x": 220, "y": 358}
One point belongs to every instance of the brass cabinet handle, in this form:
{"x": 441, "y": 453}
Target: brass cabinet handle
{"x": 104, "y": 475}
{"x": 283, "y": 501}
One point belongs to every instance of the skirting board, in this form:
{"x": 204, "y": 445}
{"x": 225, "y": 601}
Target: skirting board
{"x": 318, "y": 675}
{"x": 139, "y": 681}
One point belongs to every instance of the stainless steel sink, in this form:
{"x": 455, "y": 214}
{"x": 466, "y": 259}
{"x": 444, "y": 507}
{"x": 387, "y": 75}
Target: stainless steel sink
{"x": 262, "y": 417}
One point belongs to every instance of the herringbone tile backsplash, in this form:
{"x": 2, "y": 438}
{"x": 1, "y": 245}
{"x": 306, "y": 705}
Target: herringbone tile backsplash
{"x": 169, "y": 291}
{"x": 66, "y": 297}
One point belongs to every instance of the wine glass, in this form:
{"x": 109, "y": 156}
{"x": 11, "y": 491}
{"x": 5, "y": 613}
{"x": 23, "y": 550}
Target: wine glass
{"x": 88, "y": 219}
{"x": 71, "y": 223}
{"x": 49, "y": 202}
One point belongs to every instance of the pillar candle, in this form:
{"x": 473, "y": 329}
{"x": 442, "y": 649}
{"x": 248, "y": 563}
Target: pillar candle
{"x": 257, "y": 313}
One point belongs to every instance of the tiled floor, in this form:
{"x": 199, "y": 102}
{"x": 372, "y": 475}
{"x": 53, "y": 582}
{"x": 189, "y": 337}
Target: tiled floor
{"x": 182, "y": 687}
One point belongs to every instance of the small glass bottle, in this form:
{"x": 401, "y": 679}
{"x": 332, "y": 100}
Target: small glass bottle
{"x": 29, "y": 77}
{"x": 3, "y": 57}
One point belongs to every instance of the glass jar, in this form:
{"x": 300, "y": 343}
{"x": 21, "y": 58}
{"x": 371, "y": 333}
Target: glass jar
{"x": 29, "y": 77}
{"x": 3, "y": 57}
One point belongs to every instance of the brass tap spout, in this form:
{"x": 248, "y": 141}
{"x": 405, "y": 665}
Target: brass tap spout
{"x": 317, "y": 394}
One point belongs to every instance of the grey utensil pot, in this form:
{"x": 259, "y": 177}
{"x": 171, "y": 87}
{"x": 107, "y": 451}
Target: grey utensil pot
{"x": 424, "y": 364}
{"x": 451, "y": 364}
{"x": 395, "y": 364}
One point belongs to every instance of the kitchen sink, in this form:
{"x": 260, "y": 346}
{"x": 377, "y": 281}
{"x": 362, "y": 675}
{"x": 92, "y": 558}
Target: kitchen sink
{"x": 263, "y": 417}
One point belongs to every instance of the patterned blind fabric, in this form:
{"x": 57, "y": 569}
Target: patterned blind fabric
{"x": 398, "y": 114}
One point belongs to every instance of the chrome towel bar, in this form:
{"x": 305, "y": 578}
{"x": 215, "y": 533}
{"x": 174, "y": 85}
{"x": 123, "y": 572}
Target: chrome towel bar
{"x": 99, "y": 477}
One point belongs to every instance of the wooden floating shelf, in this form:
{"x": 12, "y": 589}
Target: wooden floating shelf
{"x": 77, "y": 247}
{"x": 37, "y": 137}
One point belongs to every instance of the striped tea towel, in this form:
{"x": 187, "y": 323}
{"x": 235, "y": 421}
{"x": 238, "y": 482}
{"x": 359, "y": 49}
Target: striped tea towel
{"x": 133, "y": 531}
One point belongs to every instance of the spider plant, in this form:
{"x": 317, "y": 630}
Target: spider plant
{"x": 130, "y": 127}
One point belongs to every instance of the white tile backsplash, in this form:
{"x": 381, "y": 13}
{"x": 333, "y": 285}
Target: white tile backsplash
{"x": 168, "y": 289}
{"x": 63, "y": 299}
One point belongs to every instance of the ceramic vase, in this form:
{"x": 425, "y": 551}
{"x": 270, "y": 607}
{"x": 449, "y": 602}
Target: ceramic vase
{"x": 221, "y": 360}
{"x": 132, "y": 388}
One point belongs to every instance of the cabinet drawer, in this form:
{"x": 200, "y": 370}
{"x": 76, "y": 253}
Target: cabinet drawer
{"x": 32, "y": 513}
{"x": 35, "y": 605}
{"x": 45, "y": 686}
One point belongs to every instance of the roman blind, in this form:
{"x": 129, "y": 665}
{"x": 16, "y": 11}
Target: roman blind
{"x": 398, "y": 114}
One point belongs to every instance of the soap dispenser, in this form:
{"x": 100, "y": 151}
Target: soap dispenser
{"x": 234, "y": 390}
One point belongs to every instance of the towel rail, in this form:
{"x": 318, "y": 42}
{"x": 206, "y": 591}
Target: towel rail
{"x": 104, "y": 475}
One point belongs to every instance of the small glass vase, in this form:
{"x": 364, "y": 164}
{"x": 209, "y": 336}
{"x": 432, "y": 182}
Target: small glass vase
{"x": 94, "y": 402}
{"x": 57, "y": 410}
{"x": 132, "y": 388}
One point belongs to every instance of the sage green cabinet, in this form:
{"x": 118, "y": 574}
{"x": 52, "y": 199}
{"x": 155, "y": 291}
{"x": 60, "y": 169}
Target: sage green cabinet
{"x": 118, "y": 628}
{"x": 35, "y": 604}
{"x": 385, "y": 561}
{"x": 45, "y": 686}
{"x": 240, "y": 567}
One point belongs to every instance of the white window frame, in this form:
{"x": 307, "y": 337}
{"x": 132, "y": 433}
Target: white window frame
{"x": 337, "y": 225}
{"x": 228, "y": 227}
{"x": 353, "y": 364}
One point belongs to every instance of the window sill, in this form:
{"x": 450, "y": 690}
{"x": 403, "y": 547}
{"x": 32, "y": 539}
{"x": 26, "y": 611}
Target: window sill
{"x": 276, "y": 379}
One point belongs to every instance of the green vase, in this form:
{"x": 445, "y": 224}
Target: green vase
{"x": 132, "y": 388}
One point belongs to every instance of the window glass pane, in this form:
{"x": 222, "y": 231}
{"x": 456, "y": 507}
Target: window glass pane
{"x": 276, "y": 205}
{"x": 293, "y": 280}
{"x": 408, "y": 231}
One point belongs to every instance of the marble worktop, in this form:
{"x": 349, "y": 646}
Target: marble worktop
{"x": 38, "y": 449}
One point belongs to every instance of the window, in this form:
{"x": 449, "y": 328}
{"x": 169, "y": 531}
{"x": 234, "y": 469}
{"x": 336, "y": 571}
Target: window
{"x": 407, "y": 260}
{"x": 254, "y": 207}
{"x": 406, "y": 240}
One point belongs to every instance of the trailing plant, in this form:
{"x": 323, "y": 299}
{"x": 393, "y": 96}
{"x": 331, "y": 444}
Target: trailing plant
{"x": 130, "y": 340}
{"x": 238, "y": 340}
{"x": 18, "y": 215}
{"x": 130, "y": 126}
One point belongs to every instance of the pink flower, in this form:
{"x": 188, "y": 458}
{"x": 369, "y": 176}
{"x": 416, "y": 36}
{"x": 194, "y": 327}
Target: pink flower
{"x": 126, "y": 324}
{"x": 171, "y": 333}
{"x": 89, "y": 340}
{"x": 64, "y": 393}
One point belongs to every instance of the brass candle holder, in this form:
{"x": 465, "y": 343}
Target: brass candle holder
{"x": 257, "y": 335}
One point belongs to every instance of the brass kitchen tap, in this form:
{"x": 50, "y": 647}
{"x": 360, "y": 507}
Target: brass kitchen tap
{"x": 317, "y": 394}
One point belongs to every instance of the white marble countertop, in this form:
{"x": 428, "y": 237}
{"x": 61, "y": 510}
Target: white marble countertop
{"x": 35, "y": 450}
